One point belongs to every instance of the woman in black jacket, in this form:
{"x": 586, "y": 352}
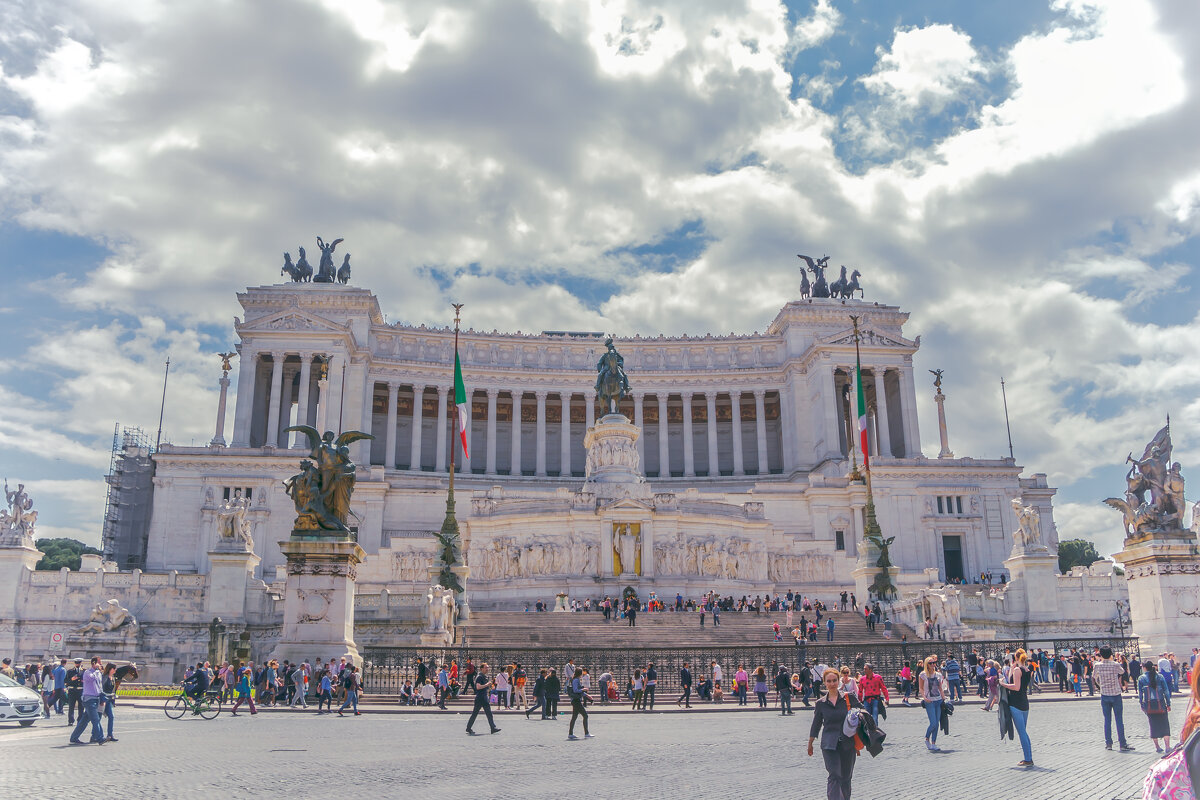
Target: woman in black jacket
{"x": 539, "y": 694}
{"x": 839, "y": 752}
{"x": 553, "y": 690}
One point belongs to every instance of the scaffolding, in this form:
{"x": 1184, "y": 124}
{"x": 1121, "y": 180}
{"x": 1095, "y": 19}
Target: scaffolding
{"x": 130, "y": 482}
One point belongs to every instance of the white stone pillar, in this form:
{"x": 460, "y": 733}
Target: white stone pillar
{"x": 272, "y": 437}
{"x": 689, "y": 465}
{"x": 564, "y": 464}
{"x": 908, "y": 413}
{"x": 243, "y": 411}
{"x": 832, "y": 399}
{"x": 515, "y": 448}
{"x": 389, "y": 455}
{"x": 590, "y": 417}
{"x": 540, "y": 466}
{"x": 882, "y": 431}
{"x": 664, "y": 446}
{"x": 414, "y": 453}
{"x": 760, "y": 421}
{"x": 639, "y": 420}
{"x": 219, "y": 435}
{"x": 440, "y": 462}
{"x": 739, "y": 461}
{"x": 299, "y": 440}
{"x": 490, "y": 463}
{"x": 337, "y": 379}
{"x": 710, "y": 398}
{"x": 323, "y": 395}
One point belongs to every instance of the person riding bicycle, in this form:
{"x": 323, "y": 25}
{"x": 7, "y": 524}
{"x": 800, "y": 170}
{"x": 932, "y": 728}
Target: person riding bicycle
{"x": 197, "y": 685}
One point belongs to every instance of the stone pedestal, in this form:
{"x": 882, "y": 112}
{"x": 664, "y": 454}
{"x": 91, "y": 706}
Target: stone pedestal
{"x": 560, "y": 603}
{"x": 1163, "y": 575}
{"x": 614, "y": 468}
{"x": 17, "y": 560}
{"x": 318, "y": 610}
{"x": 1033, "y": 582}
{"x": 230, "y": 571}
{"x": 864, "y": 577}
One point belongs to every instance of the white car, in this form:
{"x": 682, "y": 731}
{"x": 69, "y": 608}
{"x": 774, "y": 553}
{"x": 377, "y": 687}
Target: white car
{"x": 18, "y": 703}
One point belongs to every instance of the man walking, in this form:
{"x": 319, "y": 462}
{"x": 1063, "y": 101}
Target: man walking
{"x": 783, "y": 685}
{"x": 91, "y": 690}
{"x": 685, "y": 683}
{"x": 1108, "y": 674}
{"x": 954, "y": 677}
{"x": 481, "y": 683}
{"x": 60, "y": 685}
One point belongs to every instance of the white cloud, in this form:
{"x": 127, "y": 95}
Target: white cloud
{"x": 816, "y": 29}
{"x": 926, "y": 67}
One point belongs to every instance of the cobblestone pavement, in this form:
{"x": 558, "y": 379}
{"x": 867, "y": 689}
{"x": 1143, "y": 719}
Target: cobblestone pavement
{"x": 749, "y": 755}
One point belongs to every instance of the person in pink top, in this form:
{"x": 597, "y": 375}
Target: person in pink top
{"x": 742, "y": 679}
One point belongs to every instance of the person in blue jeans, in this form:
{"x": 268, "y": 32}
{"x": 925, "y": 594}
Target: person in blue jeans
{"x": 829, "y": 630}
{"x": 93, "y": 692}
{"x": 953, "y": 679}
{"x": 353, "y": 686}
{"x": 931, "y": 685}
{"x": 1017, "y": 683}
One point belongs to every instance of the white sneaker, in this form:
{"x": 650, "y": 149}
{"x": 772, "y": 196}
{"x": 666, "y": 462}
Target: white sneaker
{"x": 589, "y": 736}
{"x": 572, "y": 736}
{"x": 929, "y": 745}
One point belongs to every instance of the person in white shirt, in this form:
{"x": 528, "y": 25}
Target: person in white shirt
{"x": 716, "y": 673}
{"x": 502, "y": 686}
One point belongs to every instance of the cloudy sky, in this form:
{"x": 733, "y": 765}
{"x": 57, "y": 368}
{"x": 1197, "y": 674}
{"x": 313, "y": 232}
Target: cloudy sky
{"x": 1023, "y": 176}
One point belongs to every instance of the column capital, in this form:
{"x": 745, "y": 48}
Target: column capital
{"x": 493, "y": 393}
{"x": 418, "y": 388}
{"x": 393, "y": 387}
{"x": 441, "y": 390}
{"x": 662, "y": 398}
{"x": 711, "y": 395}
{"x": 760, "y": 394}
{"x": 541, "y": 395}
{"x": 278, "y": 355}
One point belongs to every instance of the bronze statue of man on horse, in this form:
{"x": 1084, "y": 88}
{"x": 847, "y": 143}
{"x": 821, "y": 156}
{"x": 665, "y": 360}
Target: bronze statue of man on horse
{"x": 611, "y": 382}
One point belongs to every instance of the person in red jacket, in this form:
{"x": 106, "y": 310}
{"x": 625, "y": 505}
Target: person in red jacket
{"x": 874, "y": 692}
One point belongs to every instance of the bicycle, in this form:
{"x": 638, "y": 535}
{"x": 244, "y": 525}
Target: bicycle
{"x": 208, "y": 706}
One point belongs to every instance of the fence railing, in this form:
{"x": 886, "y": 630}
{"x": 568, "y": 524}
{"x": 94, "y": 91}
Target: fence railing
{"x": 386, "y": 668}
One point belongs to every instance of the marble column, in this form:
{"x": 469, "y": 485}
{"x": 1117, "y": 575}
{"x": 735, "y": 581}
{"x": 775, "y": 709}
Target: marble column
{"x": 760, "y": 421}
{"x": 414, "y": 453}
{"x": 908, "y": 414}
{"x": 664, "y": 445}
{"x": 515, "y": 449}
{"x": 739, "y": 465}
{"x": 323, "y": 395}
{"x": 832, "y": 398}
{"x": 590, "y": 417}
{"x": 389, "y": 455}
{"x": 219, "y": 435}
{"x": 540, "y": 463}
{"x": 272, "y": 437}
{"x": 882, "y": 431}
{"x": 440, "y": 461}
{"x": 689, "y": 466}
{"x": 337, "y": 379}
{"x": 490, "y": 464}
{"x": 710, "y": 398}
{"x": 639, "y": 419}
{"x": 301, "y": 441}
{"x": 243, "y": 411}
{"x": 943, "y": 433}
{"x": 564, "y": 465}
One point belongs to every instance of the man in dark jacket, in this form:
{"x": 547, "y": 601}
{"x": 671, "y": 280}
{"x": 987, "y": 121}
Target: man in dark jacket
{"x": 783, "y": 685}
{"x": 685, "y": 683}
{"x": 74, "y": 690}
{"x": 482, "y": 683}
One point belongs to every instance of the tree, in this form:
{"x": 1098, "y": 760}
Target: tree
{"x": 62, "y": 553}
{"x": 1076, "y": 553}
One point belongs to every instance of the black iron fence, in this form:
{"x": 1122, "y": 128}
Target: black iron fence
{"x": 385, "y": 669}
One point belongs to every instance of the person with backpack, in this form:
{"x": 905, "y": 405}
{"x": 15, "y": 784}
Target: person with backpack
{"x": 1154, "y": 696}
{"x": 539, "y": 695}
{"x": 837, "y": 749}
{"x": 352, "y": 685}
{"x": 1176, "y": 776}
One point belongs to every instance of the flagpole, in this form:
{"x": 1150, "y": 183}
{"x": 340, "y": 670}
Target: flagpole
{"x": 872, "y": 533}
{"x": 453, "y": 571}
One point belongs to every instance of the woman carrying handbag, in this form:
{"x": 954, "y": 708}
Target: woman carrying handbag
{"x": 933, "y": 689}
{"x": 838, "y": 750}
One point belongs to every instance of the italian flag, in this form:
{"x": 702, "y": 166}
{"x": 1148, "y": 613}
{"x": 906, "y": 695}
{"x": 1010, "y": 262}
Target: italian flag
{"x": 862, "y": 415}
{"x": 460, "y": 402}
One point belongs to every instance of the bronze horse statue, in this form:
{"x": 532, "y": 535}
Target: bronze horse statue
{"x": 611, "y": 382}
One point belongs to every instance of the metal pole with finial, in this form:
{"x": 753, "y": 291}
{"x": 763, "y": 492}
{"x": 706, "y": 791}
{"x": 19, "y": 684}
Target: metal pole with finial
{"x": 163, "y": 405}
{"x": 449, "y": 534}
{"x": 1007, "y": 427}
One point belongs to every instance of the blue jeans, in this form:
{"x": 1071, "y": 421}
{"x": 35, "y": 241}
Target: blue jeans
{"x": 874, "y": 705}
{"x": 1019, "y": 719}
{"x": 955, "y": 688}
{"x": 108, "y": 715}
{"x": 933, "y": 709}
{"x": 351, "y": 700}
{"x": 1111, "y": 706}
{"x": 91, "y": 713}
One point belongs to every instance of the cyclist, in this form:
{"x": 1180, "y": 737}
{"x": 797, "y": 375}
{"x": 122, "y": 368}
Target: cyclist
{"x": 197, "y": 685}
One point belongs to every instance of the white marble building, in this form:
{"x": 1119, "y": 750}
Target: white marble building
{"x": 742, "y": 444}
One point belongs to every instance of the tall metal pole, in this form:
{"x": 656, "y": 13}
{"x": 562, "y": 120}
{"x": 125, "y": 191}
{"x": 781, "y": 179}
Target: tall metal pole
{"x": 1007, "y": 427}
{"x": 163, "y": 405}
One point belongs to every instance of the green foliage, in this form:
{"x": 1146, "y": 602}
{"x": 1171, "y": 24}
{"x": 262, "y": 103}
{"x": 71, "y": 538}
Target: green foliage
{"x": 62, "y": 553}
{"x": 1076, "y": 552}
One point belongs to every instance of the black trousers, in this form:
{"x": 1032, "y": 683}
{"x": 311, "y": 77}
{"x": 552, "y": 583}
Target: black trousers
{"x": 481, "y": 704}
{"x": 541, "y": 703}
{"x": 648, "y": 698}
{"x": 686, "y": 697}
{"x": 74, "y": 699}
{"x": 551, "y": 707}
{"x": 839, "y": 764}
{"x": 577, "y": 710}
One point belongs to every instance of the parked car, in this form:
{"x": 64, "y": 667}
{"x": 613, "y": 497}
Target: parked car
{"x": 18, "y": 703}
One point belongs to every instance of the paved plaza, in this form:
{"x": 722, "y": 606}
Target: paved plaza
{"x": 728, "y": 754}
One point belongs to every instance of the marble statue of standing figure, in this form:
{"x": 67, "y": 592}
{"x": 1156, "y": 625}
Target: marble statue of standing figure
{"x": 232, "y": 523}
{"x": 1028, "y": 535}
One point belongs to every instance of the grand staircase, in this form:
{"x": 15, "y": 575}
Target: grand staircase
{"x": 661, "y": 629}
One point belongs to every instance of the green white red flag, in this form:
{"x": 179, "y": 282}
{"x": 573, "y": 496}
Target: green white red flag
{"x": 460, "y": 402}
{"x": 862, "y": 415}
